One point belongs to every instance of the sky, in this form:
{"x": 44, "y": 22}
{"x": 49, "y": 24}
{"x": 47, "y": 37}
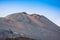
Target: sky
{"x": 48, "y": 8}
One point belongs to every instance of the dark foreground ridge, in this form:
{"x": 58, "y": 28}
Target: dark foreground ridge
{"x": 19, "y": 38}
{"x": 23, "y": 26}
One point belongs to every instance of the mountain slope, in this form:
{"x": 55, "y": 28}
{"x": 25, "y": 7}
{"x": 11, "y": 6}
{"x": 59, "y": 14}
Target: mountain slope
{"x": 32, "y": 26}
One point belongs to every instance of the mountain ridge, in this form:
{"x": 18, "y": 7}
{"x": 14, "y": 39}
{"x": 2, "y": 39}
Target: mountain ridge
{"x": 31, "y": 25}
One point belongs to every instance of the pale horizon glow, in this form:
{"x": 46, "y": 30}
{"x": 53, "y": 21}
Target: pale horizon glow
{"x": 50, "y": 9}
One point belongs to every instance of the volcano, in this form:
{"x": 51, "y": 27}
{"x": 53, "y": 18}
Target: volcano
{"x": 33, "y": 26}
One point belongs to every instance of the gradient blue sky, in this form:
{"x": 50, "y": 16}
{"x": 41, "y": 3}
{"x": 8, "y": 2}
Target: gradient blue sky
{"x": 48, "y": 8}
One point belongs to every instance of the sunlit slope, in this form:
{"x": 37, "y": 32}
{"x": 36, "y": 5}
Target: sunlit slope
{"x": 31, "y": 26}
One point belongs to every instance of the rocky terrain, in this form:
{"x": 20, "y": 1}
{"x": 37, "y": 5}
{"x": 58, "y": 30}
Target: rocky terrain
{"x": 33, "y": 26}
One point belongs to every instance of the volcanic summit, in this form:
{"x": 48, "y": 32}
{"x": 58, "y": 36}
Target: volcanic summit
{"x": 33, "y": 26}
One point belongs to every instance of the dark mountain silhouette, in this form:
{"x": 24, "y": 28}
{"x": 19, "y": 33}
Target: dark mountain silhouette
{"x": 30, "y": 25}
